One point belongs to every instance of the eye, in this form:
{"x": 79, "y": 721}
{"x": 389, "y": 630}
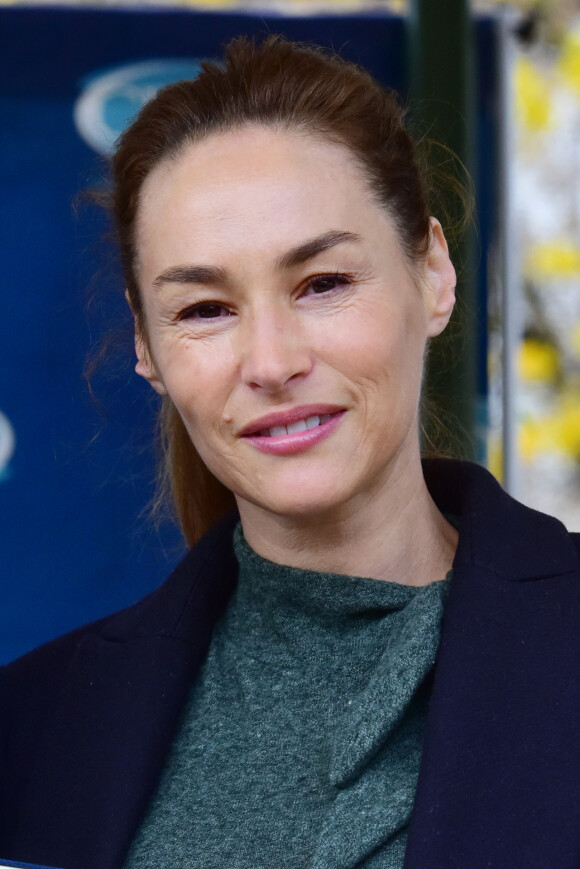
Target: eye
{"x": 326, "y": 283}
{"x": 204, "y": 311}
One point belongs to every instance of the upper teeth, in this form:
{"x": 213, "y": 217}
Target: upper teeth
{"x": 301, "y": 425}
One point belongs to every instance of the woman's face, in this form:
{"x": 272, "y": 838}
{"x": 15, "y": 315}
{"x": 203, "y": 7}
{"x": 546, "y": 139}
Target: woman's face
{"x": 282, "y": 318}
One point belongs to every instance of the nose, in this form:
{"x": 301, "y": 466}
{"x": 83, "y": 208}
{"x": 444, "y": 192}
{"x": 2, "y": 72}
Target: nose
{"x": 273, "y": 350}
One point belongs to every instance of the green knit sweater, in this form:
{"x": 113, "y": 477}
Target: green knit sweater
{"x": 301, "y": 740}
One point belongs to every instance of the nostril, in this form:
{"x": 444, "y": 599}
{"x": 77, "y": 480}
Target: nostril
{"x": 274, "y": 370}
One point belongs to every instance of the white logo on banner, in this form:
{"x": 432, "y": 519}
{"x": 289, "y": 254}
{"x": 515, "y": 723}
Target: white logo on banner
{"x": 110, "y": 100}
{"x": 7, "y": 443}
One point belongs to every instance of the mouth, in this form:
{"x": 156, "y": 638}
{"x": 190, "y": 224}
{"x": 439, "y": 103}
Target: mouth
{"x": 285, "y": 434}
{"x": 292, "y": 421}
{"x": 310, "y": 422}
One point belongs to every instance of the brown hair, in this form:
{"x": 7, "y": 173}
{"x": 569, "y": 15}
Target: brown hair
{"x": 274, "y": 83}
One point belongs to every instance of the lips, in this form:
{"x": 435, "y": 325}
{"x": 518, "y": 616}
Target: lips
{"x": 293, "y": 432}
{"x": 294, "y": 427}
{"x": 292, "y": 421}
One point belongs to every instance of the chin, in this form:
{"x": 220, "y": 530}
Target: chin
{"x": 295, "y": 502}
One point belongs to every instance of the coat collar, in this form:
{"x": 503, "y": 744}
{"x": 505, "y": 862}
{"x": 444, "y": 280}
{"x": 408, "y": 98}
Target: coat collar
{"x": 497, "y": 533}
{"x": 128, "y": 682}
{"x": 498, "y": 784}
{"x": 107, "y": 740}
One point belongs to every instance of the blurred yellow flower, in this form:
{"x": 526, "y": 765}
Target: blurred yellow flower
{"x": 557, "y": 258}
{"x": 533, "y": 103}
{"x": 495, "y": 456}
{"x": 569, "y": 419}
{"x": 558, "y": 432}
{"x": 576, "y": 339}
{"x": 569, "y": 62}
{"x": 538, "y": 361}
{"x": 536, "y": 437}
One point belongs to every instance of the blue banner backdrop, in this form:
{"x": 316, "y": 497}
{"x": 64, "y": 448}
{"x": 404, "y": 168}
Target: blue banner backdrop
{"x": 74, "y": 541}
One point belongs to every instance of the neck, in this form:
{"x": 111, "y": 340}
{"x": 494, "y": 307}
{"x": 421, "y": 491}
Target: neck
{"x": 396, "y": 535}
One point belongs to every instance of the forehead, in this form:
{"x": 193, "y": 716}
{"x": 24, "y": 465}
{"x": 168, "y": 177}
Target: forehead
{"x": 236, "y": 160}
{"x": 255, "y": 186}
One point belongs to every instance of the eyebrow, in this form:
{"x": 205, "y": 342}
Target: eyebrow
{"x": 314, "y": 246}
{"x": 191, "y": 274}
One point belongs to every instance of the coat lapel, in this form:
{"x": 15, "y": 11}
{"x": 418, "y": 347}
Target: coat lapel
{"x": 117, "y": 714}
{"x": 498, "y": 785}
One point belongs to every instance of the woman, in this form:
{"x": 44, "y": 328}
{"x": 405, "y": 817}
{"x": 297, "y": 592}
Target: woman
{"x": 291, "y": 696}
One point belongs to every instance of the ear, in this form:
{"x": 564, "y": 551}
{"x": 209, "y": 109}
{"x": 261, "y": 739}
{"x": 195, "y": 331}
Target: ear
{"x": 145, "y": 365}
{"x": 439, "y": 280}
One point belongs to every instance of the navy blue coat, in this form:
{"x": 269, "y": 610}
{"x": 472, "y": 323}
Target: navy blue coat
{"x": 87, "y": 720}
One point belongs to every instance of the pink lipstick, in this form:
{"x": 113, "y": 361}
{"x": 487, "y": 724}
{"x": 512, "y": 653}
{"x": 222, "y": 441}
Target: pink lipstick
{"x": 293, "y": 431}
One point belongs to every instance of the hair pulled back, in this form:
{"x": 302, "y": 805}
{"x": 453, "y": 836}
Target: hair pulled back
{"x": 278, "y": 84}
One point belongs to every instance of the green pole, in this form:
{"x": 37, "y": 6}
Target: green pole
{"x": 442, "y": 101}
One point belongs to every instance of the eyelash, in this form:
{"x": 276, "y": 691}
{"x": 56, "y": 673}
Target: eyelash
{"x": 337, "y": 279}
{"x": 190, "y": 312}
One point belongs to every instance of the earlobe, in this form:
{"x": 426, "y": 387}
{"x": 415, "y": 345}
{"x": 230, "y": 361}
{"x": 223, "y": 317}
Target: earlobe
{"x": 440, "y": 280}
{"x": 145, "y": 366}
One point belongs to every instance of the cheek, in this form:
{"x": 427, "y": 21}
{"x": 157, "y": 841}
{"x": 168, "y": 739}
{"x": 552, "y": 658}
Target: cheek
{"x": 377, "y": 347}
{"x": 199, "y": 381}
{"x": 384, "y": 362}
